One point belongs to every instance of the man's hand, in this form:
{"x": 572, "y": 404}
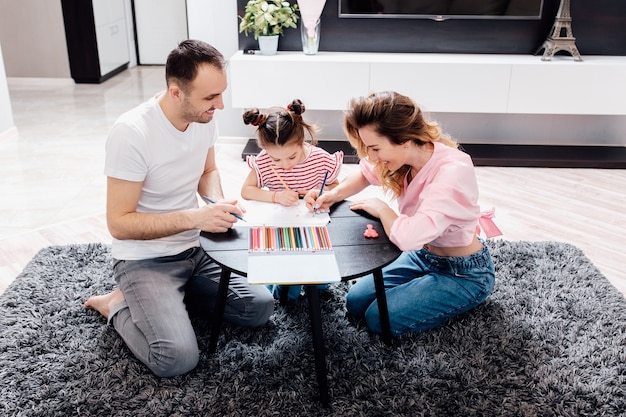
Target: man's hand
{"x": 218, "y": 217}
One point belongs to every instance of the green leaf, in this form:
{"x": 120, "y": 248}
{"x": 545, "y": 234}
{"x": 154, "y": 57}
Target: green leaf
{"x": 264, "y": 17}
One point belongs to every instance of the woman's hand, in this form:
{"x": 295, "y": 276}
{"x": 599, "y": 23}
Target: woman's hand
{"x": 314, "y": 201}
{"x": 351, "y": 185}
{"x": 377, "y": 208}
{"x": 373, "y": 206}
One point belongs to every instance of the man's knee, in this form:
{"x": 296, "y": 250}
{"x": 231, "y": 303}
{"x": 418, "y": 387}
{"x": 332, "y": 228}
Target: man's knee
{"x": 260, "y": 310}
{"x": 174, "y": 361}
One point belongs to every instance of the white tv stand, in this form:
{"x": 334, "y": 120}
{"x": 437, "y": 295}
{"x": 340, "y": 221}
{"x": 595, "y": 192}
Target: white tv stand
{"x": 455, "y": 83}
{"x": 440, "y": 82}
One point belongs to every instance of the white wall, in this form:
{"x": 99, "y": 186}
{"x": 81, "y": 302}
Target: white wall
{"x": 216, "y": 22}
{"x": 33, "y": 39}
{"x": 160, "y": 26}
{"x": 6, "y": 114}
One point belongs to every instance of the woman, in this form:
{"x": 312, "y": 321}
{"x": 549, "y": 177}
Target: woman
{"x": 444, "y": 269}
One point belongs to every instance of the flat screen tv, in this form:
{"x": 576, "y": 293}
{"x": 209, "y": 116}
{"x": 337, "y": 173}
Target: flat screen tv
{"x": 442, "y": 9}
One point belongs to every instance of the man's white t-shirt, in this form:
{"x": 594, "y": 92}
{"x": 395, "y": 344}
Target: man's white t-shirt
{"x": 144, "y": 146}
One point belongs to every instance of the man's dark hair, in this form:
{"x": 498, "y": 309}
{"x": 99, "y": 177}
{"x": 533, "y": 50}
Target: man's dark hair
{"x": 182, "y": 63}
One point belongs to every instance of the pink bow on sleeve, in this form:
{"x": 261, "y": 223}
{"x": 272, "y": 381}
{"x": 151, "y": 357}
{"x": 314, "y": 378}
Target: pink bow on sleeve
{"x": 486, "y": 223}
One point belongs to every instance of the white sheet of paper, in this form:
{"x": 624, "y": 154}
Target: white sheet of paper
{"x": 293, "y": 268}
{"x": 259, "y": 213}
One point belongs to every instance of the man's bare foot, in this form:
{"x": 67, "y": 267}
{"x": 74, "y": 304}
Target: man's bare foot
{"x": 104, "y": 303}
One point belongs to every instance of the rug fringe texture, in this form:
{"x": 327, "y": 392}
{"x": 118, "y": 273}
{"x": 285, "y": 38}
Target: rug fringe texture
{"x": 550, "y": 341}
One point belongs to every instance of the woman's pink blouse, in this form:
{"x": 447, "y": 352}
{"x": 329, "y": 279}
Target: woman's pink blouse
{"x": 439, "y": 206}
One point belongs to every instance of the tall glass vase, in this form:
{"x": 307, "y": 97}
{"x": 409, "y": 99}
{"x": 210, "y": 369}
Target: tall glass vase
{"x": 310, "y": 37}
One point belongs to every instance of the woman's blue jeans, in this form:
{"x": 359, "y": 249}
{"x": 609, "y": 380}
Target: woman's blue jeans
{"x": 423, "y": 290}
{"x": 159, "y": 294}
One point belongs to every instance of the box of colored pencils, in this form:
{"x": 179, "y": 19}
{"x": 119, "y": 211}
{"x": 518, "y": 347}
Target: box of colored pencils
{"x": 291, "y": 255}
{"x": 289, "y": 239}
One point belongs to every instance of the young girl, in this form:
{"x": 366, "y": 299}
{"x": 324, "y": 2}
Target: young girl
{"x": 444, "y": 269}
{"x": 289, "y": 164}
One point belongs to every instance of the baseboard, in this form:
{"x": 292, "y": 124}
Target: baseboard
{"x": 538, "y": 156}
{"x": 547, "y": 156}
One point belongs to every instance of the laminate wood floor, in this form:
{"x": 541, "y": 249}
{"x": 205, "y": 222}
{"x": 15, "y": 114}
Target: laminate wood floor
{"x": 53, "y": 191}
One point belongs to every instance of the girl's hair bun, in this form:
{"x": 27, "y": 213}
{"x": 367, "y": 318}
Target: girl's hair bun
{"x": 254, "y": 117}
{"x": 296, "y": 106}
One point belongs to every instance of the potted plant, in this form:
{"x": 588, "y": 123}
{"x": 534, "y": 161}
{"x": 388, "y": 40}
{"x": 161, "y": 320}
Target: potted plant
{"x": 268, "y": 18}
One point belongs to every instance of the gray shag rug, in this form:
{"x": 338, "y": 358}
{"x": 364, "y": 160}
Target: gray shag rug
{"x": 550, "y": 341}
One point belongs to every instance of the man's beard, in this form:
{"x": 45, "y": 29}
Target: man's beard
{"x": 192, "y": 117}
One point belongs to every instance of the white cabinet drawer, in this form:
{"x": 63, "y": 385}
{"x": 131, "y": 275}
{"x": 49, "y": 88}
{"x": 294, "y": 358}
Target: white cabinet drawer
{"x": 112, "y": 45}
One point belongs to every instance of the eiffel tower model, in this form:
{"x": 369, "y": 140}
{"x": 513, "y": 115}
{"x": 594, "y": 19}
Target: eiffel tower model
{"x": 561, "y": 37}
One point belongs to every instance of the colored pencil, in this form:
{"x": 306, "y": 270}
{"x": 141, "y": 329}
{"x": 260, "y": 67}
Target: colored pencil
{"x": 321, "y": 191}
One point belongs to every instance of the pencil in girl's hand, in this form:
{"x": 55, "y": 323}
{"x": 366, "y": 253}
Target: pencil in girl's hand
{"x": 207, "y": 199}
{"x": 321, "y": 191}
{"x": 280, "y": 178}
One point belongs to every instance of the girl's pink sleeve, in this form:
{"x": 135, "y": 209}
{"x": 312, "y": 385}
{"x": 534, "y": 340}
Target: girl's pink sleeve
{"x": 337, "y": 161}
{"x": 252, "y": 163}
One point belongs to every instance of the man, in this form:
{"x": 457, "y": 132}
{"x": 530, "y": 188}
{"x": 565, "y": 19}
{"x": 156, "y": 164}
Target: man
{"x": 159, "y": 157}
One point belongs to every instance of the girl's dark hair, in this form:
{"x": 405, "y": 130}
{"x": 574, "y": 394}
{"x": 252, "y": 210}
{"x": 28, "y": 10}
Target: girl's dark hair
{"x": 182, "y": 63}
{"x": 399, "y": 119}
{"x": 279, "y": 126}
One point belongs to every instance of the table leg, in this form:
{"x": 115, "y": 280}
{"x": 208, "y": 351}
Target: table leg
{"x": 284, "y": 295}
{"x": 315, "y": 313}
{"x": 218, "y": 310}
{"x": 383, "y": 310}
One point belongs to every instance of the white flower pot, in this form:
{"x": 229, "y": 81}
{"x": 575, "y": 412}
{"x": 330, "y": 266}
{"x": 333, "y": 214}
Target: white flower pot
{"x": 268, "y": 44}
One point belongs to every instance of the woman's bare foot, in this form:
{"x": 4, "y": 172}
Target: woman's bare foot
{"x": 104, "y": 303}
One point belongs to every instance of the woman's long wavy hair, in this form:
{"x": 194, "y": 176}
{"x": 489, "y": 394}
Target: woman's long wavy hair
{"x": 399, "y": 119}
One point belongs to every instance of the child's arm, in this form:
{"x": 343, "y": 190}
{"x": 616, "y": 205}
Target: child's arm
{"x": 251, "y": 191}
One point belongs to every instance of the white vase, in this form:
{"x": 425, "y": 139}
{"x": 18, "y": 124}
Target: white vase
{"x": 268, "y": 44}
{"x": 310, "y": 38}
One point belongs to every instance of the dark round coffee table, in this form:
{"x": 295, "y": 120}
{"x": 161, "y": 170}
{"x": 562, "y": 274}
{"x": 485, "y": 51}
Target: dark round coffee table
{"x": 356, "y": 256}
